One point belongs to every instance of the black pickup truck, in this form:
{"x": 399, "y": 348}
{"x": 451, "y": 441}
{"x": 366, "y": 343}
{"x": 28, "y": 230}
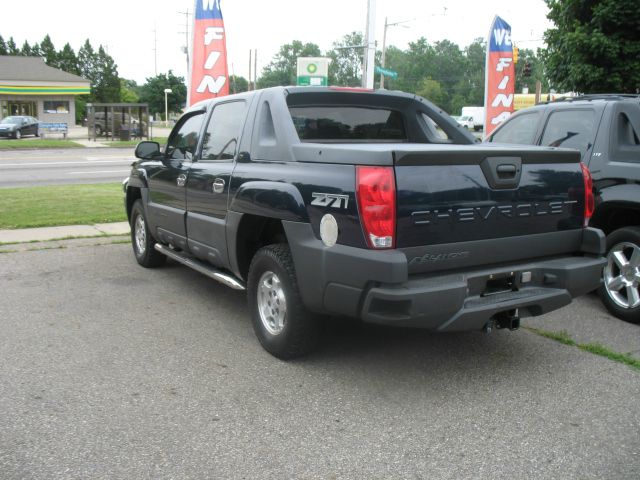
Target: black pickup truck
{"x": 367, "y": 204}
{"x": 605, "y": 128}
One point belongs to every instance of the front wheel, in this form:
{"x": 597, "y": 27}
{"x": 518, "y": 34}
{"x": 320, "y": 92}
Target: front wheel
{"x": 142, "y": 241}
{"x": 18, "y": 135}
{"x": 282, "y": 324}
{"x": 620, "y": 289}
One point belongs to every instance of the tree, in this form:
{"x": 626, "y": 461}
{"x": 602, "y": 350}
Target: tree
{"x": 3, "y": 47}
{"x": 107, "y": 83}
{"x": 12, "y": 48}
{"x": 282, "y": 68}
{"x": 347, "y": 59}
{"x": 152, "y": 92}
{"x": 432, "y": 91}
{"x": 67, "y": 60}
{"x": 595, "y": 45}
{"x": 129, "y": 91}
{"x": 238, "y": 84}
{"x": 26, "y": 49}
{"x": 48, "y": 51}
{"x": 87, "y": 61}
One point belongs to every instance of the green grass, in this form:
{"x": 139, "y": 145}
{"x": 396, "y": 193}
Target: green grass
{"x": 603, "y": 351}
{"x": 133, "y": 143}
{"x": 37, "y": 143}
{"x": 595, "y": 348}
{"x": 61, "y": 205}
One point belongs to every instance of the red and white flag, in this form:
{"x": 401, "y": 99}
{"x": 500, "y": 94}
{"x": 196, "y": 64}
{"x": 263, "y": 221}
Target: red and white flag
{"x": 209, "y": 75}
{"x": 500, "y": 76}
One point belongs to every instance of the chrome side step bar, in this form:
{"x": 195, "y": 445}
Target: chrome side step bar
{"x": 209, "y": 271}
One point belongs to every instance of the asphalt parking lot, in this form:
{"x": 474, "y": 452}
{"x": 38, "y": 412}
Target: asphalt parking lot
{"x": 112, "y": 371}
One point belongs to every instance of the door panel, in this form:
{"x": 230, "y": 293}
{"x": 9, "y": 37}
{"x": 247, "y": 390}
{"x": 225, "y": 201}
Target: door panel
{"x": 168, "y": 179}
{"x": 208, "y": 183}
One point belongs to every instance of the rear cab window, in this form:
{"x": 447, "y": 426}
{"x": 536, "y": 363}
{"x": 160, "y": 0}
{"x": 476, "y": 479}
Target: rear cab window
{"x": 367, "y": 117}
{"x": 338, "y": 123}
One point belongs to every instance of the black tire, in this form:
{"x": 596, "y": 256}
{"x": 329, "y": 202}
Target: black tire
{"x": 141, "y": 239}
{"x": 299, "y": 330}
{"x": 625, "y": 241}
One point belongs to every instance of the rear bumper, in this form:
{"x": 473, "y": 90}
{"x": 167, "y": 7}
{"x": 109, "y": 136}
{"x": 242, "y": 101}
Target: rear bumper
{"x": 376, "y": 285}
{"x": 458, "y": 302}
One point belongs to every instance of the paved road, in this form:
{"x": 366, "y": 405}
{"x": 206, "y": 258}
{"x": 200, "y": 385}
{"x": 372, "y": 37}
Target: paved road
{"x": 63, "y": 166}
{"x": 111, "y": 371}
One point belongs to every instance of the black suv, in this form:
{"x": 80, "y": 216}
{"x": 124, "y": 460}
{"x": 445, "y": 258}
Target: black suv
{"x": 606, "y": 131}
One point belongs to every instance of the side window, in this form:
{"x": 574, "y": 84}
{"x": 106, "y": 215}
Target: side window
{"x": 627, "y": 135}
{"x": 221, "y": 137}
{"x": 569, "y": 129}
{"x": 520, "y": 130}
{"x": 435, "y": 133}
{"x": 183, "y": 142}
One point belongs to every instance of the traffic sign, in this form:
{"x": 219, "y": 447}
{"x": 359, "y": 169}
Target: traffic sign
{"x": 386, "y": 72}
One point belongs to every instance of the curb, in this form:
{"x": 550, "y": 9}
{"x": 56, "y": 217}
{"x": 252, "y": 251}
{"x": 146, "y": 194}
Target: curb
{"x": 59, "y": 233}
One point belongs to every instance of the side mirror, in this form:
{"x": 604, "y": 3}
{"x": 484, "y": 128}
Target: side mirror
{"x": 244, "y": 157}
{"x": 148, "y": 150}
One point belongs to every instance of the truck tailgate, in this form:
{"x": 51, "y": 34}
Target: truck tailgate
{"x": 479, "y": 193}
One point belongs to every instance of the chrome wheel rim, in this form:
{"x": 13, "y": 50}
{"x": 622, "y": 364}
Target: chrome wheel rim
{"x": 272, "y": 303}
{"x": 621, "y": 275}
{"x": 140, "y": 235}
{"x": 18, "y": 134}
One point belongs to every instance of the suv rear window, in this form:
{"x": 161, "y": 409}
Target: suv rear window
{"x": 348, "y": 124}
{"x": 569, "y": 129}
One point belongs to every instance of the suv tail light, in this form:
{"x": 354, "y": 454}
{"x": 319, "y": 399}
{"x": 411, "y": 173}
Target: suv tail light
{"x": 376, "y": 194}
{"x": 589, "y": 202}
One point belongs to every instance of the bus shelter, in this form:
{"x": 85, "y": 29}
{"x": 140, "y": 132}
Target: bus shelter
{"x": 118, "y": 121}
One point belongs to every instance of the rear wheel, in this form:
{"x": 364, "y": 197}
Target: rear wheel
{"x": 620, "y": 289}
{"x": 142, "y": 241}
{"x": 282, "y": 324}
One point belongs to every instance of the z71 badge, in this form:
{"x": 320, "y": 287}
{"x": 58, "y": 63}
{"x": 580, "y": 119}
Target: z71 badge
{"x": 330, "y": 200}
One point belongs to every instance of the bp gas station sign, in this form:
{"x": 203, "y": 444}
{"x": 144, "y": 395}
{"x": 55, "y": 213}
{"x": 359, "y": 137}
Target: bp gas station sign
{"x": 313, "y": 71}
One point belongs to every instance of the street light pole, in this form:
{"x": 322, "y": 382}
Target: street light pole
{"x": 166, "y": 106}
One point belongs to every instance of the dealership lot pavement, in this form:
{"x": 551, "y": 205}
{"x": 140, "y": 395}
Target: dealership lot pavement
{"x": 112, "y": 371}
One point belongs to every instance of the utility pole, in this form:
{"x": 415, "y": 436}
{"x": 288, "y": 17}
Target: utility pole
{"x": 255, "y": 69}
{"x": 250, "y": 63}
{"x": 384, "y": 44}
{"x": 370, "y": 46}
{"x": 185, "y": 49}
{"x": 155, "y": 50}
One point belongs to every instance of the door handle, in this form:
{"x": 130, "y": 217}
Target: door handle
{"x": 506, "y": 171}
{"x": 218, "y": 185}
{"x": 181, "y": 180}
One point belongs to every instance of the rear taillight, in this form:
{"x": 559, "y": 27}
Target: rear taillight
{"x": 589, "y": 202}
{"x": 376, "y": 192}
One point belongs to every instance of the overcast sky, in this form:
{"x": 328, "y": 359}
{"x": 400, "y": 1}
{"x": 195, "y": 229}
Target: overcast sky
{"x": 126, "y": 27}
